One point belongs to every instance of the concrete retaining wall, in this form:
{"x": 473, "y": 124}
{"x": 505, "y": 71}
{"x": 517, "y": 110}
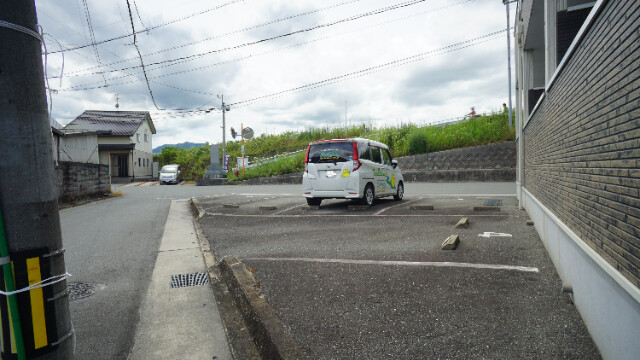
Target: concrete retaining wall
{"x": 77, "y": 180}
{"x": 493, "y": 162}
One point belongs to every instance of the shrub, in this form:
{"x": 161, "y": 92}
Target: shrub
{"x": 417, "y": 143}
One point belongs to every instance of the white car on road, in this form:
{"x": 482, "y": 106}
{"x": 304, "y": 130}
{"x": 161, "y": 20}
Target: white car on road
{"x": 350, "y": 169}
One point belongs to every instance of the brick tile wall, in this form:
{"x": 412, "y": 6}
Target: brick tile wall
{"x": 582, "y": 146}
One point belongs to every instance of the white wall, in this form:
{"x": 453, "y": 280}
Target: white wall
{"x": 143, "y": 153}
{"x": 80, "y": 148}
{"x": 607, "y": 302}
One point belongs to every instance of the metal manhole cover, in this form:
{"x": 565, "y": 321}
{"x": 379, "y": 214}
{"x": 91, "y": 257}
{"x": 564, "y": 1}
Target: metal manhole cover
{"x": 493, "y": 202}
{"x": 193, "y": 279}
{"x": 81, "y": 290}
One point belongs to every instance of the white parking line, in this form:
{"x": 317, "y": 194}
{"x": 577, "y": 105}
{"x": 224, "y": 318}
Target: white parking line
{"x": 393, "y": 206}
{"x": 285, "y": 210}
{"x": 403, "y": 263}
{"x": 357, "y": 215}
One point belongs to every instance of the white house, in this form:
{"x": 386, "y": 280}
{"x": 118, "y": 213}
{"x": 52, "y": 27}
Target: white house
{"x": 123, "y": 141}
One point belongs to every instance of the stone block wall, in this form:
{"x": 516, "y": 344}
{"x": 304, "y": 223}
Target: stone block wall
{"x": 582, "y": 145}
{"x": 77, "y": 180}
{"x": 493, "y": 162}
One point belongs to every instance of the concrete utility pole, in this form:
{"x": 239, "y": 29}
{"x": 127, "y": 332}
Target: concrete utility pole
{"x": 224, "y": 128}
{"x": 28, "y": 199}
{"x": 506, "y": 3}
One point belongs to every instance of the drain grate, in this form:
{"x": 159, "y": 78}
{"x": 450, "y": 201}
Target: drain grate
{"x": 493, "y": 202}
{"x": 80, "y": 290}
{"x": 193, "y": 279}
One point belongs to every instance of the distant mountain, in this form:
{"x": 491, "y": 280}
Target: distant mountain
{"x": 184, "y": 145}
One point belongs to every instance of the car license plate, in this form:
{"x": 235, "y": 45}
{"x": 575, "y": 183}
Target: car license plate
{"x": 330, "y": 174}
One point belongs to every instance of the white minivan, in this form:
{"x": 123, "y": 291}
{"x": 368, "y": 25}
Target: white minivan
{"x": 170, "y": 174}
{"x": 350, "y": 169}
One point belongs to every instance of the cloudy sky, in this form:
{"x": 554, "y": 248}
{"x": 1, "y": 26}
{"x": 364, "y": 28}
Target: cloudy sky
{"x": 281, "y": 65}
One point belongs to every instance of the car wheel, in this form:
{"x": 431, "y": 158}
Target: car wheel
{"x": 313, "y": 201}
{"x": 369, "y": 195}
{"x": 400, "y": 193}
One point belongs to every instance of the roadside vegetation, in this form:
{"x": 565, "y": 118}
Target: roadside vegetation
{"x": 404, "y": 140}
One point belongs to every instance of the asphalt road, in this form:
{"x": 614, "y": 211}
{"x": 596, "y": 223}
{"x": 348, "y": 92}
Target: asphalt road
{"x": 373, "y": 283}
{"x": 112, "y": 244}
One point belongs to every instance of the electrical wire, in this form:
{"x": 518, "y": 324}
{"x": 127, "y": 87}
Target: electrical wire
{"x": 364, "y": 72}
{"x": 403, "y": 61}
{"x": 368, "y": 71}
{"x": 182, "y": 59}
{"x": 253, "y": 27}
{"x": 138, "y": 12}
{"x": 92, "y": 35}
{"x": 135, "y": 44}
{"x": 93, "y": 43}
{"x": 252, "y": 56}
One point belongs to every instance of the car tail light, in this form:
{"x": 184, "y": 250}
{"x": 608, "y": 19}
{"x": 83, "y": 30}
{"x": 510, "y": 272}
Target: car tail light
{"x": 356, "y": 161}
{"x": 306, "y": 160}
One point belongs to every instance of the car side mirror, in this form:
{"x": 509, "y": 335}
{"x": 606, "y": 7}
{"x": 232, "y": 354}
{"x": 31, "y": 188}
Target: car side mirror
{"x": 394, "y": 163}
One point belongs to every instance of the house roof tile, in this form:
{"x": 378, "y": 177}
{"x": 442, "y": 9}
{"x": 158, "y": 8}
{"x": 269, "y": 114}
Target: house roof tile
{"x": 119, "y": 123}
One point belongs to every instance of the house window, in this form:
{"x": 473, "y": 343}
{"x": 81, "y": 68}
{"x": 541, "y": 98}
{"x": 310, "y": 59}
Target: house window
{"x": 138, "y": 137}
{"x": 138, "y": 161}
{"x": 146, "y": 137}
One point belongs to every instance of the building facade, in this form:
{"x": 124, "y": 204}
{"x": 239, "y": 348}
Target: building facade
{"x": 124, "y": 140}
{"x": 578, "y": 135}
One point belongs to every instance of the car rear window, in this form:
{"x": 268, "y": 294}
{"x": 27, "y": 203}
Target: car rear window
{"x": 331, "y": 152}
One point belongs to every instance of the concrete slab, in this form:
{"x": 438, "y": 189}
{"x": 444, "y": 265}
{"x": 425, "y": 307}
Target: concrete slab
{"x": 182, "y": 323}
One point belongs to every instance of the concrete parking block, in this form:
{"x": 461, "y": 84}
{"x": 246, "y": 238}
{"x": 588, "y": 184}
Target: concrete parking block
{"x": 486, "y": 208}
{"x": 231, "y": 206}
{"x": 267, "y": 207}
{"x": 421, "y": 207}
{"x": 463, "y": 223}
{"x": 358, "y": 207}
{"x": 451, "y": 243}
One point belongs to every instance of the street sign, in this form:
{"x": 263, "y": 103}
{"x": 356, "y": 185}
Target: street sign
{"x": 247, "y": 133}
{"x": 242, "y": 150}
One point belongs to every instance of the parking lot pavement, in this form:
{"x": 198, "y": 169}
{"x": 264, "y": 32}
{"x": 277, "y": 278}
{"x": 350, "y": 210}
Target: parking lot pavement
{"x": 373, "y": 282}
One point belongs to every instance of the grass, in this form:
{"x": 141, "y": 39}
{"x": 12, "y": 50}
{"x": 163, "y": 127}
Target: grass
{"x": 485, "y": 129}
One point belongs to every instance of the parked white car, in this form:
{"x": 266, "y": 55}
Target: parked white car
{"x": 350, "y": 169}
{"x": 170, "y": 174}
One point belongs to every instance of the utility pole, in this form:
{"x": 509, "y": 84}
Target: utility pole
{"x": 224, "y": 109}
{"x": 506, "y": 3}
{"x": 28, "y": 199}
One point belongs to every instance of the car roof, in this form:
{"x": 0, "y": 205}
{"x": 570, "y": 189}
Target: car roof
{"x": 359, "y": 140}
{"x": 171, "y": 166}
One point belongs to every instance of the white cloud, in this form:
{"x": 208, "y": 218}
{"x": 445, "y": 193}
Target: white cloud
{"x": 437, "y": 87}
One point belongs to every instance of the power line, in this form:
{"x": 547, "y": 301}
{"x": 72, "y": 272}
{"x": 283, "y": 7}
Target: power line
{"x": 93, "y": 43}
{"x": 368, "y": 71}
{"x": 138, "y": 12}
{"x": 403, "y": 61}
{"x": 135, "y": 44}
{"x": 253, "y": 27}
{"x": 92, "y": 34}
{"x": 180, "y": 60}
{"x": 87, "y": 86}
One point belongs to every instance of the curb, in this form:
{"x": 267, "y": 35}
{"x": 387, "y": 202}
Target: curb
{"x": 267, "y": 330}
{"x": 240, "y": 345}
{"x": 198, "y": 211}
